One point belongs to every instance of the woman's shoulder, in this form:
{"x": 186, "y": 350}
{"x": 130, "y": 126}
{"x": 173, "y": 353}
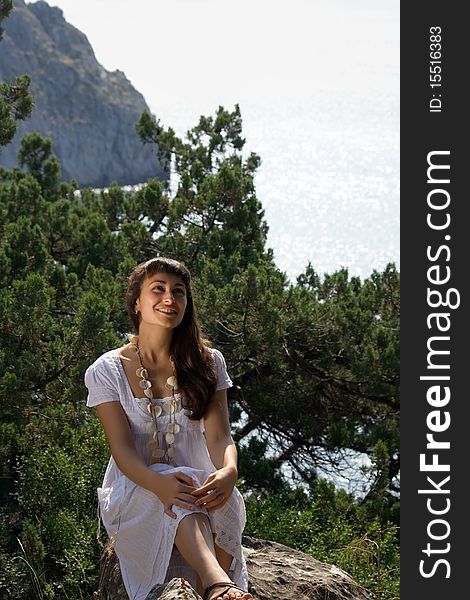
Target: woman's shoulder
{"x": 102, "y": 378}
{"x": 105, "y": 361}
{"x": 213, "y": 351}
{"x": 223, "y": 378}
{"x": 215, "y": 354}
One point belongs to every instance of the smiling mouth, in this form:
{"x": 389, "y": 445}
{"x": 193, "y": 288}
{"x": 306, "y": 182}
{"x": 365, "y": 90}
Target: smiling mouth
{"x": 168, "y": 312}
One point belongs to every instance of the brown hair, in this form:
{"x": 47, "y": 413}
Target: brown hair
{"x": 189, "y": 348}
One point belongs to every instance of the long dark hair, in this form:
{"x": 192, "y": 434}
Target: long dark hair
{"x": 189, "y": 348}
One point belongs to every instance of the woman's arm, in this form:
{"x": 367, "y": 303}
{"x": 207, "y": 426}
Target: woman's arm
{"x": 119, "y": 436}
{"x": 218, "y": 487}
{"x": 220, "y": 444}
{"x": 174, "y": 489}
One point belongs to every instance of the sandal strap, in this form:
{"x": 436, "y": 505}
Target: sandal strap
{"x": 226, "y": 584}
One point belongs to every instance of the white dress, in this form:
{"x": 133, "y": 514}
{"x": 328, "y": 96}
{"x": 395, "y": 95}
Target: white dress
{"x": 143, "y": 536}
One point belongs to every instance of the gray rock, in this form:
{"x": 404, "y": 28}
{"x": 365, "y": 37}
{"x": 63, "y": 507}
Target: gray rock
{"x": 275, "y": 572}
{"x": 90, "y": 113}
{"x": 176, "y": 589}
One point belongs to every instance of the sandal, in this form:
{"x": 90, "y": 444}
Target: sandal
{"x": 228, "y": 585}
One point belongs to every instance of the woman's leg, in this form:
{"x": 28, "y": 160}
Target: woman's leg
{"x": 195, "y": 542}
{"x": 223, "y": 558}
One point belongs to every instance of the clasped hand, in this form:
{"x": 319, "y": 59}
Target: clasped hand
{"x": 217, "y": 489}
{"x": 178, "y": 489}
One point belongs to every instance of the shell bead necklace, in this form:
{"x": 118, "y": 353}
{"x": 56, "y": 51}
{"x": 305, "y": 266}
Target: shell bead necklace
{"x": 159, "y": 454}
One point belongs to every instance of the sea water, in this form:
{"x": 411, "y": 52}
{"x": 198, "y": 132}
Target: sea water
{"x": 328, "y": 180}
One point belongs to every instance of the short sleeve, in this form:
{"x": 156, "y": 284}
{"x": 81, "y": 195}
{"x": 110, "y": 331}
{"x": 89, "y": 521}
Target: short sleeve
{"x": 101, "y": 384}
{"x": 223, "y": 378}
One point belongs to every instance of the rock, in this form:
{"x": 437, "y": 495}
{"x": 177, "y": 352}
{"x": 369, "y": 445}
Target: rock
{"x": 275, "y": 572}
{"x": 176, "y": 589}
{"x": 90, "y": 113}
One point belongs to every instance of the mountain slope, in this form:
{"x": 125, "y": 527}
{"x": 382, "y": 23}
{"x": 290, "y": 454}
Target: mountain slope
{"x": 89, "y": 113}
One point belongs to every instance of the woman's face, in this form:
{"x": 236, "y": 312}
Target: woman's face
{"x": 162, "y": 300}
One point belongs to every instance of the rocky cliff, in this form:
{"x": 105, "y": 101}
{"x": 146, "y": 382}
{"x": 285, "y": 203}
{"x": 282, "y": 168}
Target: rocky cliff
{"x": 89, "y": 113}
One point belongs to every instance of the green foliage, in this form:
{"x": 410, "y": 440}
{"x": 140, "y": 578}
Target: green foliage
{"x": 35, "y": 154}
{"x": 62, "y": 463}
{"x": 16, "y": 103}
{"x": 315, "y": 364}
{"x": 214, "y": 215}
{"x": 6, "y": 6}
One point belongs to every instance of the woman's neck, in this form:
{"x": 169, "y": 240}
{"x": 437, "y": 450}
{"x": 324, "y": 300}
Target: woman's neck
{"x": 155, "y": 344}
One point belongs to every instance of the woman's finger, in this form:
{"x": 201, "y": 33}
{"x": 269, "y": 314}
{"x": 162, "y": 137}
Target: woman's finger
{"x": 210, "y": 478}
{"x": 210, "y": 495}
{"x": 188, "y": 497}
{"x": 186, "y": 489}
{"x": 214, "y": 507}
{"x": 183, "y": 504}
{"x": 184, "y": 478}
{"x": 204, "y": 489}
{"x": 213, "y": 503}
{"x": 169, "y": 512}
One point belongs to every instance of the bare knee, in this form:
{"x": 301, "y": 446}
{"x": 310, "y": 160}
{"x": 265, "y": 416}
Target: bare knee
{"x": 194, "y": 528}
{"x": 195, "y": 521}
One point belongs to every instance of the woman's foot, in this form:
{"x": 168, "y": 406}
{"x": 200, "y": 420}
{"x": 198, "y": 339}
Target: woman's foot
{"x": 225, "y": 591}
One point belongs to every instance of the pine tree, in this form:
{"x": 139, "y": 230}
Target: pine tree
{"x": 16, "y": 102}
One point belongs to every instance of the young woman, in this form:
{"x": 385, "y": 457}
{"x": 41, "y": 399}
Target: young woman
{"x": 168, "y": 500}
